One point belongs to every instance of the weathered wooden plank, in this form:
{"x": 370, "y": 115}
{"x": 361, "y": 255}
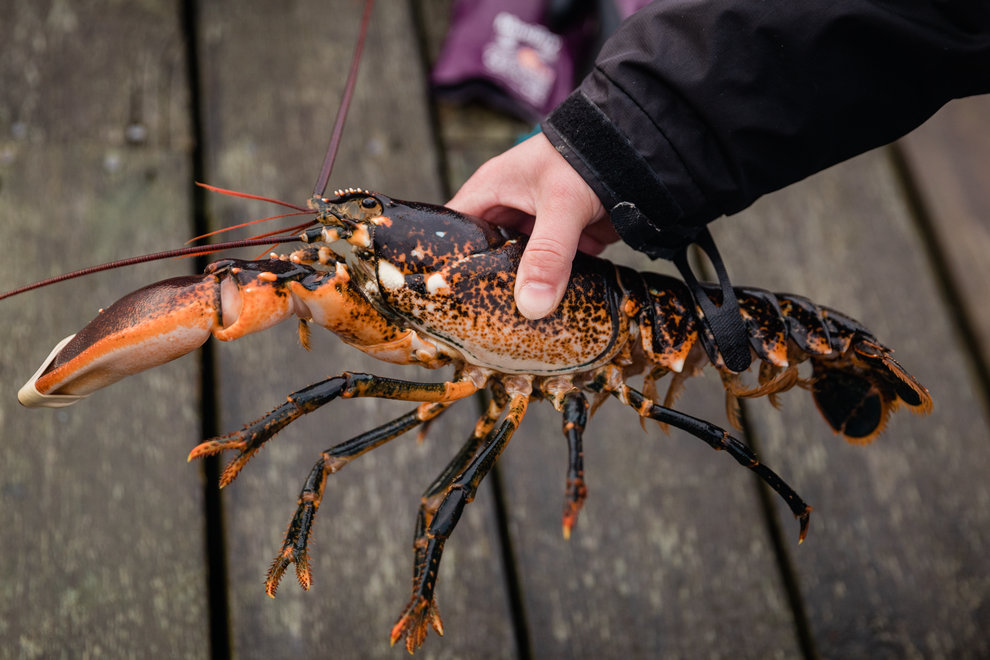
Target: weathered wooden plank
{"x": 949, "y": 158}
{"x": 896, "y": 562}
{"x": 102, "y": 550}
{"x": 272, "y": 81}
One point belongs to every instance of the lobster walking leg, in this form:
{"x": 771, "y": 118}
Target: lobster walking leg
{"x": 434, "y": 495}
{"x": 250, "y": 439}
{"x": 466, "y": 454}
{"x": 719, "y": 439}
{"x": 575, "y": 491}
{"x": 421, "y": 609}
{"x": 294, "y": 547}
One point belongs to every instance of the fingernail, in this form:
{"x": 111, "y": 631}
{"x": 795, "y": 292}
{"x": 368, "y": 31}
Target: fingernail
{"x": 535, "y": 300}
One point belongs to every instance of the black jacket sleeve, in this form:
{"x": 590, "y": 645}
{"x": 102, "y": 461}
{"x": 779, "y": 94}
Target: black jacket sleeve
{"x": 695, "y": 108}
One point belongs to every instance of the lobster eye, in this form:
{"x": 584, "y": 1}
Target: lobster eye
{"x": 369, "y": 202}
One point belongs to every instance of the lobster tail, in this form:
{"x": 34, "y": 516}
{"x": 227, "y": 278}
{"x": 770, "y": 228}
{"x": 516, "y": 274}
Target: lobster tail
{"x": 855, "y": 381}
{"x": 857, "y": 392}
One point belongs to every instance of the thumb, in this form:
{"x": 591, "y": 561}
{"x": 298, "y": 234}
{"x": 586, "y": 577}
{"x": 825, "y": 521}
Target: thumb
{"x": 545, "y": 267}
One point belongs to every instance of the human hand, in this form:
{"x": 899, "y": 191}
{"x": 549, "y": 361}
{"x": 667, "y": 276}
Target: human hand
{"x": 533, "y": 189}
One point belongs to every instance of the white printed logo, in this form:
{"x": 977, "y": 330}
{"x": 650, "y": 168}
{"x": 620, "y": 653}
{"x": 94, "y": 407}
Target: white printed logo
{"x": 524, "y": 55}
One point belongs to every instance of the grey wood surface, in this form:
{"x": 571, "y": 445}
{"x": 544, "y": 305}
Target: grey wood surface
{"x": 897, "y": 550}
{"x": 947, "y": 161}
{"x": 103, "y": 549}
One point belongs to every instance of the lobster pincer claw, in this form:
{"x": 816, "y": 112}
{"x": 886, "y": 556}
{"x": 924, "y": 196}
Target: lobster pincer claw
{"x": 233, "y": 298}
{"x": 29, "y": 395}
{"x": 165, "y": 321}
{"x": 145, "y": 329}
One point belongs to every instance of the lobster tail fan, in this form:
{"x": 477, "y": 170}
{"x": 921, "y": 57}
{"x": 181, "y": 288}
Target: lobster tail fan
{"x": 850, "y": 402}
{"x": 910, "y": 391}
{"x": 857, "y": 393}
{"x": 901, "y": 385}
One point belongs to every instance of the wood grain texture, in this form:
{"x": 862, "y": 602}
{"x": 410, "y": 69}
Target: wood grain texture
{"x": 102, "y": 545}
{"x": 272, "y": 82}
{"x": 102, "y": 551}
{"x": 949, "y": 160}
{"x": 895, "y": 565}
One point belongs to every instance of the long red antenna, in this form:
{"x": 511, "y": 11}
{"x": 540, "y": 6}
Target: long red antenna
{"x": 254, "y": 222}
{"x": 321, "y": 186}
{"x": 235, "y": 193}
{"x": 345, "y": 104}
{"x": 194, "y": 250}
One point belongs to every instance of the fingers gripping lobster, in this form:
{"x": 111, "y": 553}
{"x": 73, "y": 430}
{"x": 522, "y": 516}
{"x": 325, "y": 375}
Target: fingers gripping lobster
{"x": 410, "y": 283}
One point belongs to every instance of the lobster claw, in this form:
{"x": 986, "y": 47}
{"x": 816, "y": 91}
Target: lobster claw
{"x": 29, "y": 396}
{"x": 145, "y": 329}
{"x": 234, "y": 298}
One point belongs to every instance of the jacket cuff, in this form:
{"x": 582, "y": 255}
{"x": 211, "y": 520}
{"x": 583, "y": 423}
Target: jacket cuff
{"x": 643, "y": 211}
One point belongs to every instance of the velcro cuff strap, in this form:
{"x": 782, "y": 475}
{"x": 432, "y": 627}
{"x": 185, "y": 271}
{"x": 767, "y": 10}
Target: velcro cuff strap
{"x": 636, "y": 230}
{"x": 622, "y": 175}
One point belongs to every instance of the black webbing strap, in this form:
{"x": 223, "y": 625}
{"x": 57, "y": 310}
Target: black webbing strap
{"x": 726, "y": 331}
{"x": 724, "y": 321}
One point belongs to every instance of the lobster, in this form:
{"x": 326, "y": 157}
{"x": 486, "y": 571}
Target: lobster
{"x": 416, "y": 284}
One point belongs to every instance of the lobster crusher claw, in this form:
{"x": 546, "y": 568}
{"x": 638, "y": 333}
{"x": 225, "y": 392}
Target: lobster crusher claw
{"x": 29, "y": 395}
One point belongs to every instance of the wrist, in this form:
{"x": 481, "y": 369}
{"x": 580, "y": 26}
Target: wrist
{"x": 644, "y": 213}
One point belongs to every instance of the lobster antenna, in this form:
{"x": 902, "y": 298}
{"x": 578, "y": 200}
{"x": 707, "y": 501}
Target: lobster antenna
{"x": 295, "y": 228}
{"x": 260, "y": 198}
{"x": 345, "y": 103}
{"x": 194, "y": 250}
{"x": 254, "y": 222}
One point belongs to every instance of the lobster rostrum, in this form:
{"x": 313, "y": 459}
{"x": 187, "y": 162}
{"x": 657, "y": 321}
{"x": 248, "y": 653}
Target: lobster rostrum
{"x": 411, "y": 283}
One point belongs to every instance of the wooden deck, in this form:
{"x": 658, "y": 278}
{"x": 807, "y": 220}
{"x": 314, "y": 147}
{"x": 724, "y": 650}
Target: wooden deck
{"x": 111, "y": 545}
